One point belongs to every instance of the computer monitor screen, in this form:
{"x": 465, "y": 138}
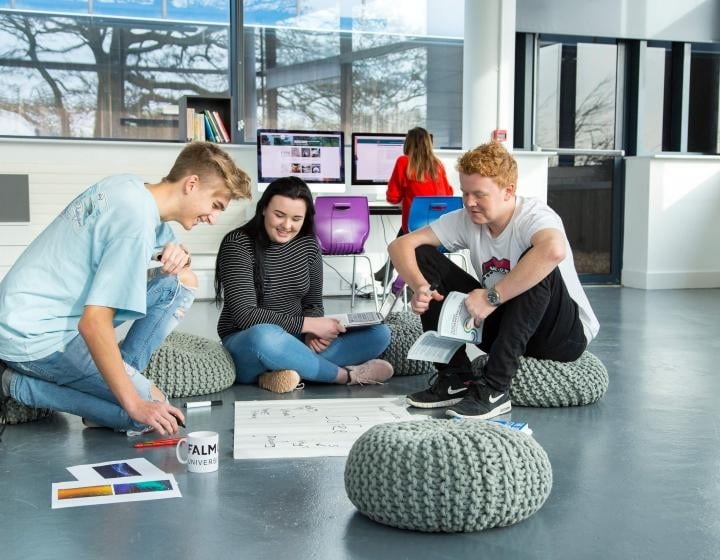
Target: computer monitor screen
{"x": 316, "y": 157}
{"x": 374, "y": 156}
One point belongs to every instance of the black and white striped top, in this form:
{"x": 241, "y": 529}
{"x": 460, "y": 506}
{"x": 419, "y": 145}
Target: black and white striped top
{"x": 292, "y": 284}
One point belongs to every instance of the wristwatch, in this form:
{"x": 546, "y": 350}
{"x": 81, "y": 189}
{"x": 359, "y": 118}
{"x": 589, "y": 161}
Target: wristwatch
{"x": 493, "y": 297}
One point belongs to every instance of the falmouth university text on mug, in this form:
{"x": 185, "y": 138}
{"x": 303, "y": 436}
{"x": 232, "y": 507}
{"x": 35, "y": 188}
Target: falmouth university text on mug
{"x": 202, "y": 451}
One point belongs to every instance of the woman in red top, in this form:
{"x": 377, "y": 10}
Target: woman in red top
{"x": 418, "y": 172}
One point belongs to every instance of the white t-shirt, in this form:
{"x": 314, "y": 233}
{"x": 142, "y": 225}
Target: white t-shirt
{"x": 492, "y": 258}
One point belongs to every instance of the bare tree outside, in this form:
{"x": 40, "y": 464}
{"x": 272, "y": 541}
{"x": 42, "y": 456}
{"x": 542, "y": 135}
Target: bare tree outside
{"x": 92, "y": 77}
{"x": 389, "y": 83}
{"x": 368, "y": 82}
{"x": 595, "y": 120}
{"x": 117, "y": 77}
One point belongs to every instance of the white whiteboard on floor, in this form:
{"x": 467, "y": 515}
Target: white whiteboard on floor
{"x": 309, "y": 427}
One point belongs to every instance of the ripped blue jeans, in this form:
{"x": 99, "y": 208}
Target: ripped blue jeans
{"x": 68, "y": 380}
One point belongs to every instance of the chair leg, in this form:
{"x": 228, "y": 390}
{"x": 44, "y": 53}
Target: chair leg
{"x": 386, "y": 282}
{"x": 352, "y": 285}
{"x": 372, "y": 283}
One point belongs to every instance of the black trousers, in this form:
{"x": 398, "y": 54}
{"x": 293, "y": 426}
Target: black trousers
{"x": 542, "y": 322}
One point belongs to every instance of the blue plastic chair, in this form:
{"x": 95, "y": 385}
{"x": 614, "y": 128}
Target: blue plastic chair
{"x": 427, "y": 209}
{"x": 423, "y": 211}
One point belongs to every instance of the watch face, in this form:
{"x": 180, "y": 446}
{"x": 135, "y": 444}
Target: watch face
{"x": 493, "y": 297}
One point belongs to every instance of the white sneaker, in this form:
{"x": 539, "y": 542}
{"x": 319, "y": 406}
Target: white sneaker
{"x": 372, "y": 372}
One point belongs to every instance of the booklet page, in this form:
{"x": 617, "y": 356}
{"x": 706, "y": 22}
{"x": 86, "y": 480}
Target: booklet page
{"x": 455, "y": 320}
{"x": 433, "y": 348}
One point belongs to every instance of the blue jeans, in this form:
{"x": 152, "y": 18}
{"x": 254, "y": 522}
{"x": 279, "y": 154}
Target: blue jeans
{"x": 68, "y": 380}
{"x": 269, "y": 347}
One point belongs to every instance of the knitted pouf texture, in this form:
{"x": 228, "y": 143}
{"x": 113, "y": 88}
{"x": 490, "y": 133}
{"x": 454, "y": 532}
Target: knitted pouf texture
{"x": 186, "y": 365}
{"x": 18, "y": 413}
{"x": 405, "y": 329}
{"x": 447, "y": 476}
{"x": 546, "y": 383}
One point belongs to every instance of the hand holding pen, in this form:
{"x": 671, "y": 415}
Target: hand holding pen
{"x": 422, "y": 297}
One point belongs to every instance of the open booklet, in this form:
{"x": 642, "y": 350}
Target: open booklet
{"x": 455, "y": 328}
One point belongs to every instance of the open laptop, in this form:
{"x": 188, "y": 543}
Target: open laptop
{"x": 367, "y": 318}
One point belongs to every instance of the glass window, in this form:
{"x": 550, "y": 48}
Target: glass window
{"x": 596, "y": 68}
{"x": 117, "y": 68}
{"x": 703, "y": 129}
{"x": 655, "y": 92}
{"x": 547, "y": 105}
{"x": 575, "y": 108}
{"x": 368, "y": 66}
{"x": 576, "y": 95}
{"x": 110, "y": 69}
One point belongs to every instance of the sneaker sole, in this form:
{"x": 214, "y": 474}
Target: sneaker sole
{"x": 439, "y": 404}
{"x": 502, "y": 409}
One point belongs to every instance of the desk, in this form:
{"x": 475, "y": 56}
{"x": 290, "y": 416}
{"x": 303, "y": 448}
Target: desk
{"x": 383, "y": 208}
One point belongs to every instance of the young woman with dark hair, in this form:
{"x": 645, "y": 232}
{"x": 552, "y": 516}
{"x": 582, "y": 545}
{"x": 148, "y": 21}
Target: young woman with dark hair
{"x": 268, "y": 277}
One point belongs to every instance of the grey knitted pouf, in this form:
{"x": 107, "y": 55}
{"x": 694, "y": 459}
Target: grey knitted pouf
{"x": 546, "y": 383}
{"x": 447, "y": 476}
{"x": 18, "y": 413}
{"x": 405, "y": 329}
{"x": 187, "y": 365}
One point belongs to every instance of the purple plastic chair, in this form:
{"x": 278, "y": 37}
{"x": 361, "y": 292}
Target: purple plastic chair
{"x": 342, "y": 225}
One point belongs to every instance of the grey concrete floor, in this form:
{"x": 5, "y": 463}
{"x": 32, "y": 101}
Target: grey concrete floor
{"x": 636, "y": 475}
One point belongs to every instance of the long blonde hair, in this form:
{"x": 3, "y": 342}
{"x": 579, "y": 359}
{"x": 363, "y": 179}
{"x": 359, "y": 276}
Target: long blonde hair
{"x": 422, "y": 162}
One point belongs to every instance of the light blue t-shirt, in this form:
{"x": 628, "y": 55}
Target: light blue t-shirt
{"x": 96, "y": 252}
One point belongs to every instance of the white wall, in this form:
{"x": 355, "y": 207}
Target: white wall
{"x": 60, "y": 169}
{"x": 662, "y": 20}
{"x": 672, "y": 222}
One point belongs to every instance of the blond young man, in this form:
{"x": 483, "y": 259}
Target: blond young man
{"x": 87, "y": 272}
{"x": 528, "y": 296}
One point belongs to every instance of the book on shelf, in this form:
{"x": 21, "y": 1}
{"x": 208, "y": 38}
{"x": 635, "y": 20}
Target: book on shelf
{"x": 209, "y": 132}
{"x": 203, "y": 125}
{"x": 189, "y": 124}
{"x": 221, "y": 126}
{"x": 199, "y": 132}
{"x": 456, "y": 327}
{"x": 205, "y": 117}
{"x": 215, "y": 124}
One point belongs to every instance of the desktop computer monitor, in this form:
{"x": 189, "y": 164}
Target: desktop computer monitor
{"x": 374, "y": 156}
{"x": 316, "y": 157}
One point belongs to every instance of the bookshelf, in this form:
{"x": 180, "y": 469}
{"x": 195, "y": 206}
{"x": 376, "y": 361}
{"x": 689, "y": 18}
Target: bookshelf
{"x": 201, "y": 103}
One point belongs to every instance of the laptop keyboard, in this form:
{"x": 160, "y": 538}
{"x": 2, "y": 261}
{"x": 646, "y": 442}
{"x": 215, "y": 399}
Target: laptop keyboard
{"x": 363, "y": 317}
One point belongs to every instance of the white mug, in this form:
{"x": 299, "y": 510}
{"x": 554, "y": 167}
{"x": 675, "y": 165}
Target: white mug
{"x": 202, "y": 451}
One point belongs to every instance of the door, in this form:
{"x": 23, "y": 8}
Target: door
{"x": 576, "y": 112}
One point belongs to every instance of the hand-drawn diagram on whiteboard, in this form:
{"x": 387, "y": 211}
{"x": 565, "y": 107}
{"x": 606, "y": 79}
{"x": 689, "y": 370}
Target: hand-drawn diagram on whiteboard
{"x": 309, "y": 427}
